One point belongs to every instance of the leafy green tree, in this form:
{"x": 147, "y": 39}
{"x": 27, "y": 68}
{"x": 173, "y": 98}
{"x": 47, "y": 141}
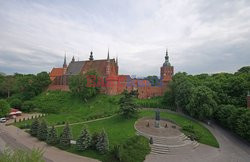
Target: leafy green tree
{"x": 4, "y": 108}
{"x": 202, "y": 103}
{"x": 127, "y": 107}
{"x": 84, "y": 140}
{"x": 27, "y": 106}
{"x": 183, "y": 94}
{"x": 85, "y": 86}
{"x": 16, "y": 103}
{"x": 103, "y": 142}
{"x": 52, "y": 138}
{"x": 7, "y": 86}
{"x": 154, "y": 80}
{"x": 245, "y": 69}
{"x": 42, "y": 81}
{"x": 243, "y": 125}
{"x": 65, "y": 137}
{"x": 34, "y": 127}
{"x": 42, "y": 131}
{"x": 223, "y": 113}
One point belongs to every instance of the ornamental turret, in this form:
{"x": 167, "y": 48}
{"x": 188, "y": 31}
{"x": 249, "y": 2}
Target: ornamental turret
{"x": 91, "y": 58}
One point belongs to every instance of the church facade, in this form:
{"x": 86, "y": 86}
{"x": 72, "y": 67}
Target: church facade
{"x": 108, "y": 70}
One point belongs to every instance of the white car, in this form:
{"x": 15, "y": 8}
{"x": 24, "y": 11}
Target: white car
{"x": 3, "y": 120}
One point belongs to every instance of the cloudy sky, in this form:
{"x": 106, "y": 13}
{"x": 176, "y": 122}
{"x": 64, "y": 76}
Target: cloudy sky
{"x": 202, "y": 36}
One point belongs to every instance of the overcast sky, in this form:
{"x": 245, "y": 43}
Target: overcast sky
{"x": 202, "y": 36}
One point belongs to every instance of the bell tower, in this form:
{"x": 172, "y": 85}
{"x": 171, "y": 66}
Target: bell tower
{"x": 167, "y": 71}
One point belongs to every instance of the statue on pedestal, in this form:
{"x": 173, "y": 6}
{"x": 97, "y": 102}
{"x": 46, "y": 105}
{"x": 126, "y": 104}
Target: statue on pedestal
{"x": 157, "y": 118}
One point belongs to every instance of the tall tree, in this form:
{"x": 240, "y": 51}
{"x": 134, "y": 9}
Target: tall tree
{"x": 4, "y": 108}
{"x": 84, "y": 140}
{"x": 103, "y": 142}
{"x": 202, "y": 103}
{"x": 42, "y": 131}
{"x": 127, "y": 106}
{"x": 34, "y": 127}
{"x": 65, "y": 137}
{"x": 85, "y": 86}
{"x": 7, "y": 86}
{"x": 52, "y": 138}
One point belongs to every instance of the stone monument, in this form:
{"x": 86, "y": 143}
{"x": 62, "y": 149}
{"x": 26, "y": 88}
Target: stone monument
{"x": 157, "y": 118}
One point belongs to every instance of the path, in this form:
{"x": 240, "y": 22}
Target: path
{"x": 89, "y": 121}
{"x": 17, "y": 138}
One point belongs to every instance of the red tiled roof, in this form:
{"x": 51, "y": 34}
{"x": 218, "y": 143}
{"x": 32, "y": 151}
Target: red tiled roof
{"x": 56, "y": 72}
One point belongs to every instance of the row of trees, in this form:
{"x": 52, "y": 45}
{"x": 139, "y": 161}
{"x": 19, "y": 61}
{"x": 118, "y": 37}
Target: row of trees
{"x": 97, "y": 141}
{"x": 203, "y": 96}
{"x": 234, "y": 118}
{"x": 23, "y": 86}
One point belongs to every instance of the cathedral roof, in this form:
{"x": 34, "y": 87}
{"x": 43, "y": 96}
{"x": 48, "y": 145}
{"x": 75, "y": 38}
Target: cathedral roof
{"x": 99, "y": 66}
{"x": 75, "y": 68}
{"x": 56, "y": 72}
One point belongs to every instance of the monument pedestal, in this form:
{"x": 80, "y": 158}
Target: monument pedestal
{"x": 157, "y": 123}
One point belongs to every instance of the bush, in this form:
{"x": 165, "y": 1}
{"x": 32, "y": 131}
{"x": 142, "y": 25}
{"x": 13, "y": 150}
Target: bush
{"x": 16, "y": 103}
{"x": 84, "y": 141}
{"x": 65, "y": 137}
{"x": 4, "y": 107}
{"x": 27, "y": 106}
{"x": 102, "y": 144}
{"x": 134, "y": 149}
{"x": 34, "y": 127}
{"x": 52, "y": 138}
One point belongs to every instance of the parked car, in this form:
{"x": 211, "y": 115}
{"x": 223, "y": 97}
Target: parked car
{"x": 3, "y": 120}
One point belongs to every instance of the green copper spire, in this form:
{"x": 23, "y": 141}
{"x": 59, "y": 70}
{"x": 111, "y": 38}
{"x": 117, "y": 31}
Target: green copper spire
{"x": 91, "y": 58}
{"x": 167, "y": 63}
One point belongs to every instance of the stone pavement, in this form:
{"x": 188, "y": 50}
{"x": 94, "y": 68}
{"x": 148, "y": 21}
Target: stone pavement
{"x": 231, "y": 150}
{"x": 17, "y": 138}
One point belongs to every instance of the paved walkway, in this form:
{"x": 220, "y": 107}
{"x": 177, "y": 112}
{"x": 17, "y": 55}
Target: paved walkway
{"x": 231, "y": 150}
{"x": 17, "y": 138}
{"x": 89, "y": 121}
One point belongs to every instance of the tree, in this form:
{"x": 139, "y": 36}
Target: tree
{"x": 154, "y": 80}
{"x": 202, "y": 103}
{"x": 41, "y": 81}
{"x": 4, "y": 108}
{"x": 65, "y": 137}
{"x": 42, "y": 131}
{"x": 52, "y": 138}
{"x": 245, "y": 69}
{"x": 102, "y": 143}
{"x": 7, "y": 85}
{"x": 34, "y": 127}
{"x": 84, "y": 140}
{"x": 84, "y": 86}
{"x": 127, "y": 107}
{"x": 27, "y": 106}
{"x": 16, "y": 103}
{"x": 94, "y": 140}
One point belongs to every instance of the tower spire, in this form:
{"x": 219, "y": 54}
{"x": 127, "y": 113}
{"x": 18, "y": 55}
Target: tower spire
{"x": 166, "y": 63}
{"x": 108, "y": 55}
{"x": 73, "y": 59}
{"x": 65, "y": 62}
{"x": 91, "y": 58}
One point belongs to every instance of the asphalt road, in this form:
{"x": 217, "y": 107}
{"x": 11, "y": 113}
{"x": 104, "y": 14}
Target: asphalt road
{"x": 12, "y": 143}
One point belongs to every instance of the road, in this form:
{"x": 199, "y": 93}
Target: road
{"x": 16, "y": 138}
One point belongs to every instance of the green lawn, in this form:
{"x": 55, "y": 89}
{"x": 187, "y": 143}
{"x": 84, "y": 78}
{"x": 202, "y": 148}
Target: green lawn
{"x": 120, "y": 129}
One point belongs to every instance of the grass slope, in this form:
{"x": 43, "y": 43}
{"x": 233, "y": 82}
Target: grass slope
{"x": 63, "y": 107}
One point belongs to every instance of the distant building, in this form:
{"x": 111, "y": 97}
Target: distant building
{"x": 109, "y": 71}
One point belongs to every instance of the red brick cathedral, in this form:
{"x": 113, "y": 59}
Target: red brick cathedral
{"x": 109, "y": 71}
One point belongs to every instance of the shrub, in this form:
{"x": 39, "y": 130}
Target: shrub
{"x": 65, "y": 137}
{"x": 16, "y": 103}
{"x": 84, "y": 141}
{"x": 42, "y": 131}
{"x": 102, "y": 144}
{"x": 94, "y": 140}
{"x": 34, "y": 127}
{"x": 27, "y": 106}
{"x": 52, "y": 138}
